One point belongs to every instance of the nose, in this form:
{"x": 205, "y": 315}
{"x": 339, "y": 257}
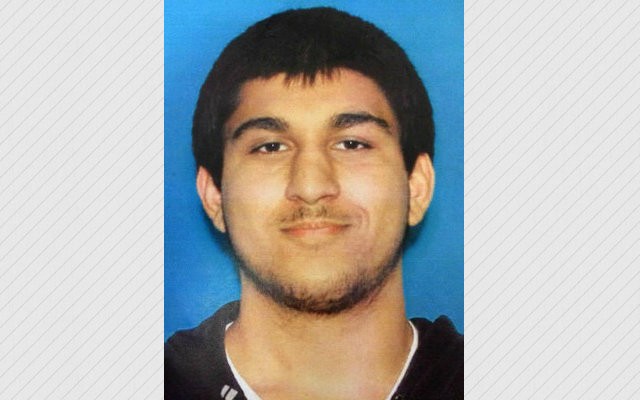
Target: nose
{"x": 312, "y": 177}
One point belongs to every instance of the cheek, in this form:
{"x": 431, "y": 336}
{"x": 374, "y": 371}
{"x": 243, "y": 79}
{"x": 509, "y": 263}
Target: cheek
{"x": 248, "y": 198}
{"x": 382, "y": 193}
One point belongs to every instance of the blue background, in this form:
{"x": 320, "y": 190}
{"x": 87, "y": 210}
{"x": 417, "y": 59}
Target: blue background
{"x": 199, "y": 274}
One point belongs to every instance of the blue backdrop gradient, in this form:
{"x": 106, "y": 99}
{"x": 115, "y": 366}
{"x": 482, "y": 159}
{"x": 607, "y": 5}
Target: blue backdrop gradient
{"x": 199, "y": 274}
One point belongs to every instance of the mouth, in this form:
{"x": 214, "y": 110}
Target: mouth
{"x": 314, "y": 228}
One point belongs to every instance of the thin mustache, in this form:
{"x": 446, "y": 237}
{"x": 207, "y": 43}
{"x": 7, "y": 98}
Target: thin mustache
{"x": 303, "y": 214}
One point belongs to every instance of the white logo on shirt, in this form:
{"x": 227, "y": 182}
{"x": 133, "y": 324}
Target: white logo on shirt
{"x": 227, "y": 393}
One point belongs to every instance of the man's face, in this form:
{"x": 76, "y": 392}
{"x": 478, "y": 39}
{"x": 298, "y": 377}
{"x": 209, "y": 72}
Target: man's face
{"x": 315, "y": 195}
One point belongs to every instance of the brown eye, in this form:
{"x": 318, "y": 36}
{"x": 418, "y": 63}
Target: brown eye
{"x": 271, "y": 147}
{"x": 352, "y": 145}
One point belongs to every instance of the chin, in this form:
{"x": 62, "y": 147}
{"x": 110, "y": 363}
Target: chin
{"x": 315, "y": 295}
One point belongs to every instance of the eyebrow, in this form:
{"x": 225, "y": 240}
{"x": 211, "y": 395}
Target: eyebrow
{"x": 339, "y": 121}
{"x": 266, "y": 123}
{"x": 347, "y": 120}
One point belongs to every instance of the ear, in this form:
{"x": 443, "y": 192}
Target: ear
{"x": 211, "y": 198}
{"x": 421, "y": 182}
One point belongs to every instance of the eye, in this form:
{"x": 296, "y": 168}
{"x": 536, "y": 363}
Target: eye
{"x": 352, "y": 145}
{"x": 271, "y": 147}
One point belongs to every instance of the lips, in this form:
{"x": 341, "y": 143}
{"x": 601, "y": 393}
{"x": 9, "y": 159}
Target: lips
{"x": 313, "y": 228}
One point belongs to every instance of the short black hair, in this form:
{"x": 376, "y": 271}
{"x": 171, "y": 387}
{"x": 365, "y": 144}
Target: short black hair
{"x": 304, "y": 43}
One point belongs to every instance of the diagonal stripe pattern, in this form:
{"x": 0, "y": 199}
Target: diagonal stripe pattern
{"x": 81, "y": 216}
{"x": 552, "y": 200}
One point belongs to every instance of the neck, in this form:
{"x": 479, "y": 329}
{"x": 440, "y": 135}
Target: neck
{"x": 359, "y": 353}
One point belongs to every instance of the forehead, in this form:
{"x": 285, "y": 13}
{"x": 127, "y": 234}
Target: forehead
{"x": 294, "y": 98}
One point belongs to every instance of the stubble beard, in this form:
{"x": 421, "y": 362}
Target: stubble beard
{"x": 349, "y": 290}
{"x": 360, "y": 283}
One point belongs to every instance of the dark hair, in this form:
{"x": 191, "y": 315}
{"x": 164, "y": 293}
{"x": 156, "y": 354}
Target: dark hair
{"x": 303, "y": 43}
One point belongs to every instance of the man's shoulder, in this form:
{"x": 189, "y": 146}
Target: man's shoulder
{"x": 195, "y": 361}
{"x": 437, "y": 368}
{"x": 191, "y": 342}
{"x": 440, "y": 334}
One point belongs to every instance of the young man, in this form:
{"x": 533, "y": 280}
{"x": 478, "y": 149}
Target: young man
{"x": 313, "y": 137}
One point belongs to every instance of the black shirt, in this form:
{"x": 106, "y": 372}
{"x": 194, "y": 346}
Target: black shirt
{"x": 195, "y": 364}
